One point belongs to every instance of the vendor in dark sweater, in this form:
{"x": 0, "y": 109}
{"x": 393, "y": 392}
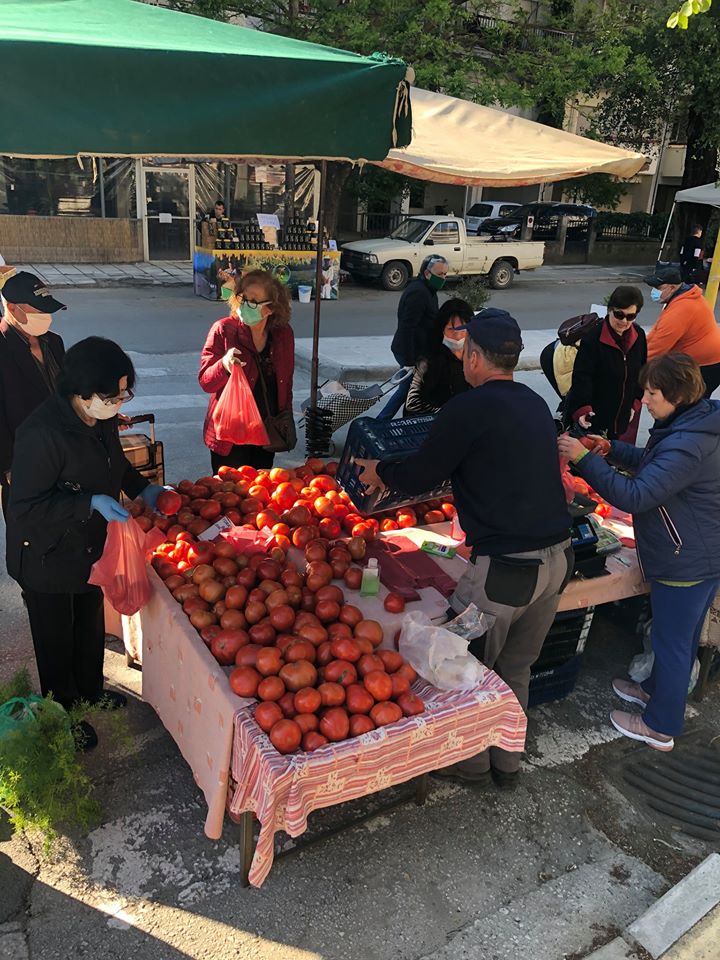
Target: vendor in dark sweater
{"x": 498, "y": 444}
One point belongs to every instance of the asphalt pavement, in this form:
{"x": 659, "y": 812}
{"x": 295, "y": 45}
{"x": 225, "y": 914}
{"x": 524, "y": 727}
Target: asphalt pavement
{"x": 547, "y": 873}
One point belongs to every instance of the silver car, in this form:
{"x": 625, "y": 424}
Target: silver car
{"x": 479, "y": 212}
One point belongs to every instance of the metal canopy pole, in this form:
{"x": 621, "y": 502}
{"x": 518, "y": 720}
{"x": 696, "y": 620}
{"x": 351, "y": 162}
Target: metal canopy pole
{"x": 318, "y": 287}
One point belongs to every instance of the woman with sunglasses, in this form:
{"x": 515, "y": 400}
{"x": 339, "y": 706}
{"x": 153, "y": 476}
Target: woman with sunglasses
{"x": 258, "y": 336}
{"x": 68, "y": 471}
{"x": 605, "y": 380}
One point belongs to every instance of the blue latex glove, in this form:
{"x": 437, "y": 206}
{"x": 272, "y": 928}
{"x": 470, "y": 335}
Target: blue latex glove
{"x": 109, "y": 508}
{"x": 150, "y": 494}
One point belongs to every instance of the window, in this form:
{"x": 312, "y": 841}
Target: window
{"x": 507, "y": 209}
{"x": 447, "y": 232}
{"x": 67, "y": 188}
{"x": 480, "y": 210}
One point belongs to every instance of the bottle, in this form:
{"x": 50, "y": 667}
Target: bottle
{"x": 370, "y": 584}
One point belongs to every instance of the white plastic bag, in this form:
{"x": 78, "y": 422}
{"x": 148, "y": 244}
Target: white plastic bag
{"x": 440, "y": 655}
{"x": 641, "y": 665}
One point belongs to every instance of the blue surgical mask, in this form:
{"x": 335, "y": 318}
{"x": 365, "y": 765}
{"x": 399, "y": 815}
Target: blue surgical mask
{"x": 656, "y": 295}
{"x": 455, "y": 345}
{"x": 250, "y": 316}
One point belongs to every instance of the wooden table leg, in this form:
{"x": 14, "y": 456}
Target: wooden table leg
{"x": 247, "y": 846}
{"x": 421, "y": 789}
{"x": 705, "y": 656}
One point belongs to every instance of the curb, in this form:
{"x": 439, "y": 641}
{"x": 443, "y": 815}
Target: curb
{"x": 100, "y": 284}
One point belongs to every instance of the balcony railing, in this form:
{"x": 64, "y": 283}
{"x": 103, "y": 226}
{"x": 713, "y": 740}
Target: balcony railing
{"x": 481, "y": 22}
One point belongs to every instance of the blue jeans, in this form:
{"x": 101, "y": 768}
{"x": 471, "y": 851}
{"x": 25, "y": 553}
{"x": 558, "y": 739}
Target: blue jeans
{"x": 396, "y": 401}
{"x": 678, "y": 616}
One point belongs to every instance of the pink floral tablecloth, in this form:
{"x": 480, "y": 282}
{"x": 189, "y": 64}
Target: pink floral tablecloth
{"x": 283, "y": 790}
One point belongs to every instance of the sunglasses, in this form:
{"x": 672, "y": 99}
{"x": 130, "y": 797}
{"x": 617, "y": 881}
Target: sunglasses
{"x": 623, "y": 315}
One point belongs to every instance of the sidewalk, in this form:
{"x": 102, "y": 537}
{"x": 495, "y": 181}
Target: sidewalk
{"x": 166, "y": 273}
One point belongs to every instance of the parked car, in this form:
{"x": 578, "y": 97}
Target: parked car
{"x": 480, "y": 212}
{"x": 547, "y": 216}
{"x": 395, "y": 259}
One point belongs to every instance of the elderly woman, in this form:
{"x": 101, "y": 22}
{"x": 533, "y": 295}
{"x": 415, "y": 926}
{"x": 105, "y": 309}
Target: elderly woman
{"x": 674, "y": 497}
{"x": 438, "y": 374}
{"x": 68, "y": 470}
{"x": 258, "y": 336}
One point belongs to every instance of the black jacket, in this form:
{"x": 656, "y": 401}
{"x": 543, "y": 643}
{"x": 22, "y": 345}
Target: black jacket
{"x": 53, "y": 537}
{"x": 435, "y": 381}
{"x": 417, "y": 311}
{"x": 498, "y": 445}
{"x": 606, "y": 378}
{"x": 22, "y": 386}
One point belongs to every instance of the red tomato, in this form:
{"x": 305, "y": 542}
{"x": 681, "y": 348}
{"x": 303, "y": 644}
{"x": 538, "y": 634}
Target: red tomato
{"x": 353, "y": 578}
{"x": 267, "y": 715}
{"x": 282, "y": 617}
{"x": 358, "y": 699}
{"x": 269, "y": 661}
{"x": 364, "y": 530}
{"x": 307, "y": 700}
{"x": 327, "y": 611}
{"x": 406, "y": 518}
{"x": 307, "y": 721}
{"x": 405, "y": 670}
{"x": 169, "y": 502}
{"x": 394, "y": 603}
{"x": 297, "y": 675}
{"x": 244, "y": 681}
{"x": 410, "y": 704}
{"x": 331, "y": 694}
{"x": 335, "y": 724}
{"x": 385, "y": 713}
{"x": 387, "y": 525}
{"x": 345, "y": 648}
{"x": 313, "y": 741}
{"x": 324, "y": 653}
{"x": 369, "y": 662}
{"x": 226, "y": 645}
{"x": 370, "y": 629}
{"x": 271, "y": 688}
{"x": 392, "y": 660}
{"x": 603, "y": 509}
{"x": 379, "y": 684}
{"x": 300, "y": 650}
{"x": 247, "y": 655}
{"x": 287, "y": 705}
{"x": 359, "y": 724}
{"x": 286, "y": 736}
{"x": 340, "y": 671}
{"x": 400, "y": 685}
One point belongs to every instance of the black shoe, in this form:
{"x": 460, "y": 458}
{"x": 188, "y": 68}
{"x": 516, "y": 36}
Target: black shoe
{"x": 112, "y": 700}
{"x": 84, "y": 736}
{"x": 455, "y": 774}
{"x": 504, "y": 780}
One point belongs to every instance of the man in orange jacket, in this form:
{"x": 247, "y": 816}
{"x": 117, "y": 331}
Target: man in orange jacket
{"x": 686, "y": 325}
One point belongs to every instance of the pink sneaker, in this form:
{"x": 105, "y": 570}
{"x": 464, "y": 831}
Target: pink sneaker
{"x": 631, "y": 692}
{"x": 633, "y": 726}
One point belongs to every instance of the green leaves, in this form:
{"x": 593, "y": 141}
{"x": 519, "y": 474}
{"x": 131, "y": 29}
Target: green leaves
{"x": 680, "y": 18}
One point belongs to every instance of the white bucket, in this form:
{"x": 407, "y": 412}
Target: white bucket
{"x": 304, "y": 294}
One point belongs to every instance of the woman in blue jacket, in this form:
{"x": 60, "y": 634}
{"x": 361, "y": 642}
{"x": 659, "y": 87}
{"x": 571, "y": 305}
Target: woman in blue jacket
{"x": 674, "y": 497}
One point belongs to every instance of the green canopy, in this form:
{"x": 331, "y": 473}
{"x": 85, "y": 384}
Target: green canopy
{"x": 122, "y": 78}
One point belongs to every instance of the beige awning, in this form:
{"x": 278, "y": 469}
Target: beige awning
{"x": 455, "y": 141}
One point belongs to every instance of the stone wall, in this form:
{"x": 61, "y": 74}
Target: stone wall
{"x": 70, "y": 240}
{"x": 607, "y": 252}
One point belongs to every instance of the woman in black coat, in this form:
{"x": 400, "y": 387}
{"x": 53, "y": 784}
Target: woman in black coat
{"x": 438, "y": 374}
{"x": 68, "y": 471}
{"x": 605, "y": 381}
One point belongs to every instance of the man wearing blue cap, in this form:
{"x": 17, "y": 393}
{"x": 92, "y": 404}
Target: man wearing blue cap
{"x": 498, "y": 444}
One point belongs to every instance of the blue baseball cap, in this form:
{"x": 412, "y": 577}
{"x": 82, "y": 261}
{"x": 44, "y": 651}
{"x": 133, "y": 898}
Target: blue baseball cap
{"x": 495, "y": 331}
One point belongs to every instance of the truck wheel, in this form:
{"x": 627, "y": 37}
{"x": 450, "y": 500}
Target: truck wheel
{"x": 501, "y": 275}
{"x": 395, "y": 275}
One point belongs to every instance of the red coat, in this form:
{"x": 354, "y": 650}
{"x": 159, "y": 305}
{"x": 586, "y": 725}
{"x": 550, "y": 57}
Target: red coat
{"x": 213, "y": 377}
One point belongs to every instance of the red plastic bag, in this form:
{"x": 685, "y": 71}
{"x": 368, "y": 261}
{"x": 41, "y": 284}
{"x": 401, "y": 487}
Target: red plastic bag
{"x": 248, "y": 541}
{"x": 236, "y": 417}
{"x": 567, "y": 479}
{"x": 121, "y": 570}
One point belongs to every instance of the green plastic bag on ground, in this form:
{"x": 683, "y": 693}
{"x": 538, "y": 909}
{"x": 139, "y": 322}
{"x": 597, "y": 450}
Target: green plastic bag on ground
{"x": 18, "y": 711}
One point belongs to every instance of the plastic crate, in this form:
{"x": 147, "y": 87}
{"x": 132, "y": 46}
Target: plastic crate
{"x": 566, "y": 638}
{"x": 554, "y": 683}
{"x": 372, "y": 439}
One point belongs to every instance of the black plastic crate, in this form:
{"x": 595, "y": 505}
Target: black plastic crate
{"x": 372, "y": 439}
{"x": 554, "y": 683}
{"x": 566, "y": 638}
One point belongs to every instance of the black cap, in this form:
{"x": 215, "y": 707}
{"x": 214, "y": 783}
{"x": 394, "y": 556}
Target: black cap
{"x": 495, "y": 331}
{"x": 665, "y": 275}
{"x": 26, "y": 288}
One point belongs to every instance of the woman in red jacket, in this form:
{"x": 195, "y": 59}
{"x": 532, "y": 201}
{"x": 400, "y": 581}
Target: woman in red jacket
{"x": 257, "y": 335}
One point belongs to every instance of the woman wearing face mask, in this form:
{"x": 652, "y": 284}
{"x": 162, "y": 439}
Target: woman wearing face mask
{"x": 68, "y": 471}
{"x": 605, "y": 374}
{"x": 439, "y": 375}
{"x": 258, "y": 336}
{"x": 674, "y": 496}
{"x": 30, "y": 358}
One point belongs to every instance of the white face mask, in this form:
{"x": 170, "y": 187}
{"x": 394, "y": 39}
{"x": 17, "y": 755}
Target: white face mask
{"x": 36, "y": 323}
{"x": 455, "y": 345}
{"x": 99, "y": 410}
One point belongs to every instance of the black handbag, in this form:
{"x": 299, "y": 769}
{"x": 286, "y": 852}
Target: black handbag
{"x": 280, "y": 427}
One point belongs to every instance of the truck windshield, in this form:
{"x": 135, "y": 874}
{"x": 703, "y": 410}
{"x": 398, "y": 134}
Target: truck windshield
{"x": 411, "y": 230}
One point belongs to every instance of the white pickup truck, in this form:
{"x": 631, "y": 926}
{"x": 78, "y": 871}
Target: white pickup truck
{"x": 395, "y": 259}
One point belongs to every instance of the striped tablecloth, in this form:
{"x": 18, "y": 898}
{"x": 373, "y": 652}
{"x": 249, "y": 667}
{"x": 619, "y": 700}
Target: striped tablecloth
{"x": 282, "y": 791}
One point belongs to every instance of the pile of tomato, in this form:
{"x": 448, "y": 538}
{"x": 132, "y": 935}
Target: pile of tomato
{"x": 603, "y": 508}
{"x": 293, "y": 643}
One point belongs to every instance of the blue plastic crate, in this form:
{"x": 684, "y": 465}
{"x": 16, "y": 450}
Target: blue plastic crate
{"x": 554, "y": 683}
{"x": 372, "y": 439}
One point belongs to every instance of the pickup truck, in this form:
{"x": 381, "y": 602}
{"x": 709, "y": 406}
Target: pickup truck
{"x": 395, "y": 259}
